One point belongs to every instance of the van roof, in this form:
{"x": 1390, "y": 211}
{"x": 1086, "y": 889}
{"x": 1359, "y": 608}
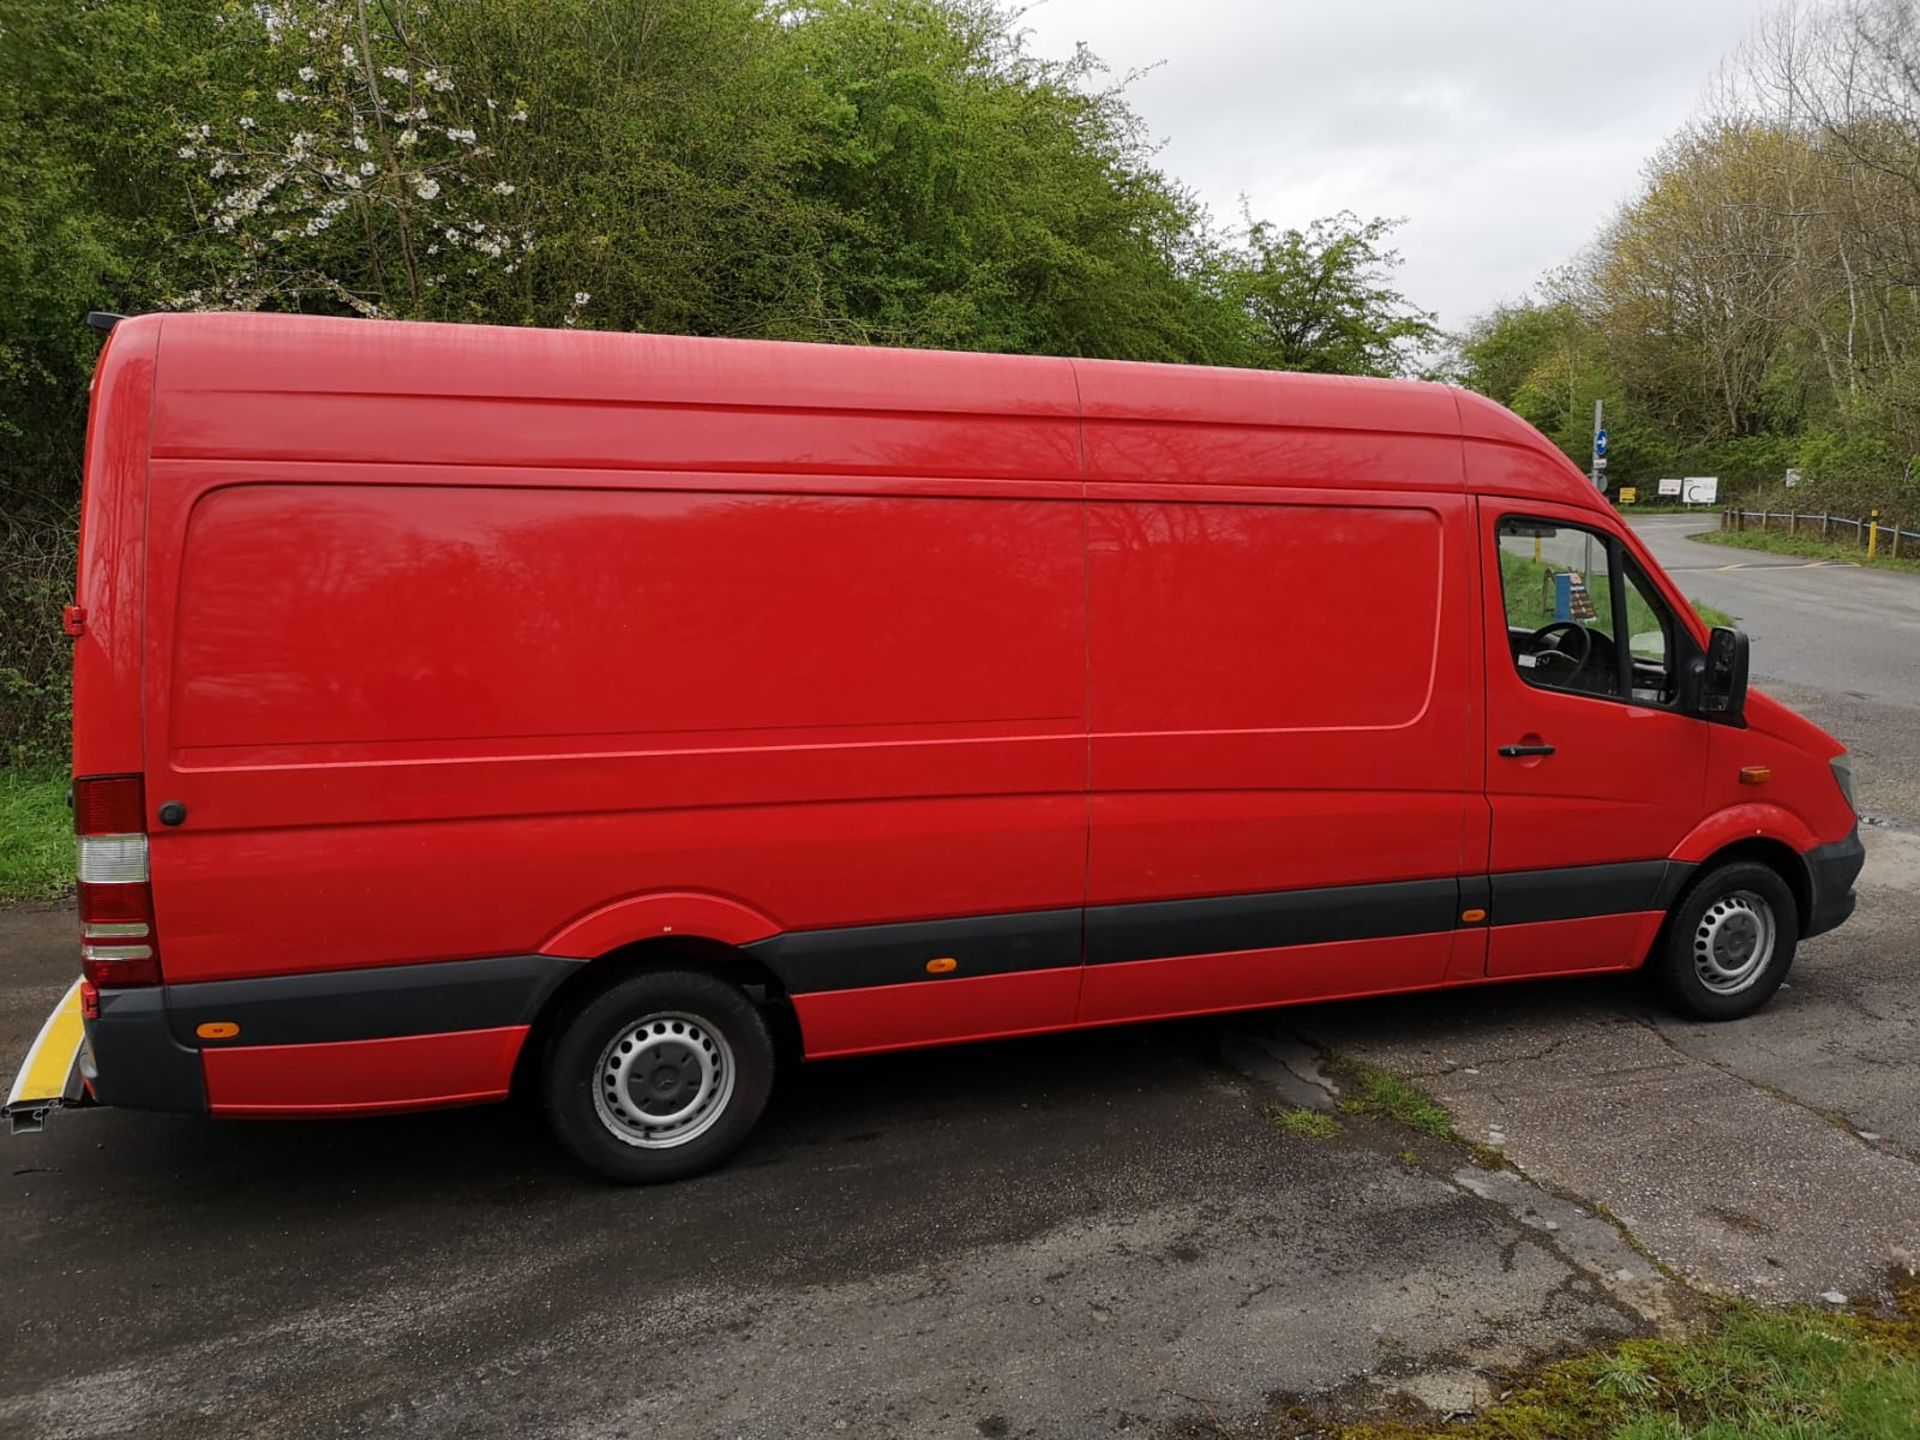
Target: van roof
{"x": 296, "y": 387}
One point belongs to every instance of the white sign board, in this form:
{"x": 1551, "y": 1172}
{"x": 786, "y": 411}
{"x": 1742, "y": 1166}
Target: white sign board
{"x": 1700, "y": 490}
{"x": 1670, "y": 487}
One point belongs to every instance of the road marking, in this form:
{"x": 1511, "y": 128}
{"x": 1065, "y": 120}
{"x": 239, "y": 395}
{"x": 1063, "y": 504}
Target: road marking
{"x": 1783, "y": 565}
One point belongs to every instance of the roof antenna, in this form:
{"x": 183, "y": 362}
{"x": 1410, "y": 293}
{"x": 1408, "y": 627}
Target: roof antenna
{"x": 103, "y": 320}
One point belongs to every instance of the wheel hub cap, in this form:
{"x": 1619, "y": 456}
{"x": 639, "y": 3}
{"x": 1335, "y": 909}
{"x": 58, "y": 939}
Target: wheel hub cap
{"x": 663, "y": 1080}
{"x": 1734, "y": 942}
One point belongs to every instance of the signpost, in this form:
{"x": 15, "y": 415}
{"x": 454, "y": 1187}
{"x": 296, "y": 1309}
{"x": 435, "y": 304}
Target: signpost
{"x": 1599, "y": 470}
{"x": 1700, "y": 490}
{"x": 1671, "y": 487}
{"x": 1598, "y": 473}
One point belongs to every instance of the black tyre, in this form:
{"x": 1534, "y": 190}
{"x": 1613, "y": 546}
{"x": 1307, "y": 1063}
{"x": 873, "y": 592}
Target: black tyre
{"x": 659, "y": 1076}
{"x": 1729, "y": 942}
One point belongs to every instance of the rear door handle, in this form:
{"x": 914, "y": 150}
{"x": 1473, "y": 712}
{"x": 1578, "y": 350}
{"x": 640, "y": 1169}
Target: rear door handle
{"x": 1514, "y": 752}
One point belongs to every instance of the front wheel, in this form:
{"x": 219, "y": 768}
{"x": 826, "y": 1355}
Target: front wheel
{"x": 1729, "y": 942}
{"x": 659, "y": 1076}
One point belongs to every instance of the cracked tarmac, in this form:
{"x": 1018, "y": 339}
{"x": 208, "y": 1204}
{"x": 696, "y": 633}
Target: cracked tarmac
{"x": 1734, "y": 1154}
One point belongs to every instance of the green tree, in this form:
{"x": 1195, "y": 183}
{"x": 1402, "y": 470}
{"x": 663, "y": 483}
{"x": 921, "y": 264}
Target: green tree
{"x": 1322, "y": 299}
{"x": 871, "y": 171}
{"x": 979, "y": 197}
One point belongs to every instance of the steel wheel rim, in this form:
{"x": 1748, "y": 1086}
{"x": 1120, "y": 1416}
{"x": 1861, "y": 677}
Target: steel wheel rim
{"x": 663, "y": 1080}
{"x": 1733, "y": 944}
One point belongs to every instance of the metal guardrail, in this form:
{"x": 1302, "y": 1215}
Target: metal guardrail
{"x": 1870, "y": 533}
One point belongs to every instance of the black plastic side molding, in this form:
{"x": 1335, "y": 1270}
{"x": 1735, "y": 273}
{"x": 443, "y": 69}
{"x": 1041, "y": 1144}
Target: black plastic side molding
{"x": 381, "y": 1002}
{"x": 103, "y": 320}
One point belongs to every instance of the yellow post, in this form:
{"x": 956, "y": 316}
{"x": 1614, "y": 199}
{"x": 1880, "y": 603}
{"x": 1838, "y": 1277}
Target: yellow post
{"x": 1536, "y": 549}
{"x": 1873, "y": 535}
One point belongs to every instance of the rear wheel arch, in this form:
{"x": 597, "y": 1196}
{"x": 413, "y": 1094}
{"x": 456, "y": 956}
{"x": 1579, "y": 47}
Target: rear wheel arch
{"x": 659, "y": 915}
{"x": 698, "y": 953}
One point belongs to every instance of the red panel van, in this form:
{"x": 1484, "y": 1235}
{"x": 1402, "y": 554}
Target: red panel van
{"x": 457, "y": 703}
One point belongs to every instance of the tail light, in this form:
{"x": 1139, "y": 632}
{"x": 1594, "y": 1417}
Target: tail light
{"x": 118, "y": 944}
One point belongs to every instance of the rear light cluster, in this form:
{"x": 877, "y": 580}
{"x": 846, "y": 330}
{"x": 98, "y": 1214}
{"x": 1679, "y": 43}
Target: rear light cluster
{"x": 118, "y": 945}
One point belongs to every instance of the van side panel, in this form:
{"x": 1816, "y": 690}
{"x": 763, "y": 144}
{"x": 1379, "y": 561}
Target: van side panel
{"x": 1281, "y": 728}
{"x": 422, "y": 721}
{"x": 392, "y": 623}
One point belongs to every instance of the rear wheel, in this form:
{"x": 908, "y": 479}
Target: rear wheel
{"x": 1729, "y": 942}
{"x": 658, "y": 1076}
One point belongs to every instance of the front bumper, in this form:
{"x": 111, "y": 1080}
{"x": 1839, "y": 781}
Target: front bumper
{"x": 1832, "y": 869}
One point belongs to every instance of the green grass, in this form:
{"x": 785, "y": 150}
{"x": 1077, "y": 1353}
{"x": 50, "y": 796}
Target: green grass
{"x": 1299, "y": 1120}
{"x": 36, "y": 835}
{"x": 1751, "y": 1374}
{"x": 1378, "y": 1093}
{"x": 1528, "y": 602}
{"x": 1808, "y": 546}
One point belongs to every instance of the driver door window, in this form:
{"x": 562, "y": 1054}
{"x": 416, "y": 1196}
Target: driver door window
{"x": 1559, "y": 581}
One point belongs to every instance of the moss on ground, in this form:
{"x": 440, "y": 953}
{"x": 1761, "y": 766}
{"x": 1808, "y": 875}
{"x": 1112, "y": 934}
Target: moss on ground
{"x": 1750, "y": 1374}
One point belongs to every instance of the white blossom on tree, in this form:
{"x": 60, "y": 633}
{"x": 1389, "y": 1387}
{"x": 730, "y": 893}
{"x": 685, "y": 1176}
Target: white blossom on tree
{"x": 368, "y": 153}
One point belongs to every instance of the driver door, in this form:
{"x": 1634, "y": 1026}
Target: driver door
{"x": 1593, "y": 775}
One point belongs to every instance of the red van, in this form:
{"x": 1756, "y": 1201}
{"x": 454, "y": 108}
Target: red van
{"x": 457, "y": 704}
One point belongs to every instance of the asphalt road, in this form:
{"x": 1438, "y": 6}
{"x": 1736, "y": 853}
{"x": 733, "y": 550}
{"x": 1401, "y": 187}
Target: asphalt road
{"x": 1079, "y": 1236}
{"x": 1839, "y": 628}
{"x": 1839, "y": 643}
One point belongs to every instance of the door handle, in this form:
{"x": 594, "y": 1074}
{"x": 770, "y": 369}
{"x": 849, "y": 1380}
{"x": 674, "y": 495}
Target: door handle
{"x": 1515, "y": 752}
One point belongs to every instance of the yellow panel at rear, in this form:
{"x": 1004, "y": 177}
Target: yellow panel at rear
{"x": 50, "y": 1061}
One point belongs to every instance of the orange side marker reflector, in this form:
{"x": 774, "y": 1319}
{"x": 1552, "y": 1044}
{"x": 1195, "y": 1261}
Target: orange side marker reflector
{"x": 1472, "y": 917}
{"x": 946, "y": 964}
{"x": 217, "y": 1030}
{"x": 1755, "y": 774}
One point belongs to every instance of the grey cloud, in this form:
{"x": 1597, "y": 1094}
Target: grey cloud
{"x": 1505, "y": 132}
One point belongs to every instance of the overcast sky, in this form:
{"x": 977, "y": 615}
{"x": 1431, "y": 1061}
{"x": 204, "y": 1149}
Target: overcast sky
{"x": 1505, "y": 131}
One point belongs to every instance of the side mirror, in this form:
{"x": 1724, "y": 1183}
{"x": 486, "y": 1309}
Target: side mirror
{"x": 1722, "y": 693}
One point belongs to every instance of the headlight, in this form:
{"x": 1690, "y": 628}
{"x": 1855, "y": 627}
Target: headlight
{"x": 1843, "y": 772}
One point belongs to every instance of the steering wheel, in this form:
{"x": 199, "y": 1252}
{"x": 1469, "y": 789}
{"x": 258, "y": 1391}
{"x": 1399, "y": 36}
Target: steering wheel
{"x": 1542, "y": 655}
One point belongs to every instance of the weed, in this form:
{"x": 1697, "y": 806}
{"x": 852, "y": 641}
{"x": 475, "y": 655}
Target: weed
{"x": 1378, "y": 1093}
{"x": 1307, "y": 1124}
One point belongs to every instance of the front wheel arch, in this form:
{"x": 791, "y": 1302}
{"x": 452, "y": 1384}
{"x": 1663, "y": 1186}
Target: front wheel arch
{"x": 1789, "y": 864}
